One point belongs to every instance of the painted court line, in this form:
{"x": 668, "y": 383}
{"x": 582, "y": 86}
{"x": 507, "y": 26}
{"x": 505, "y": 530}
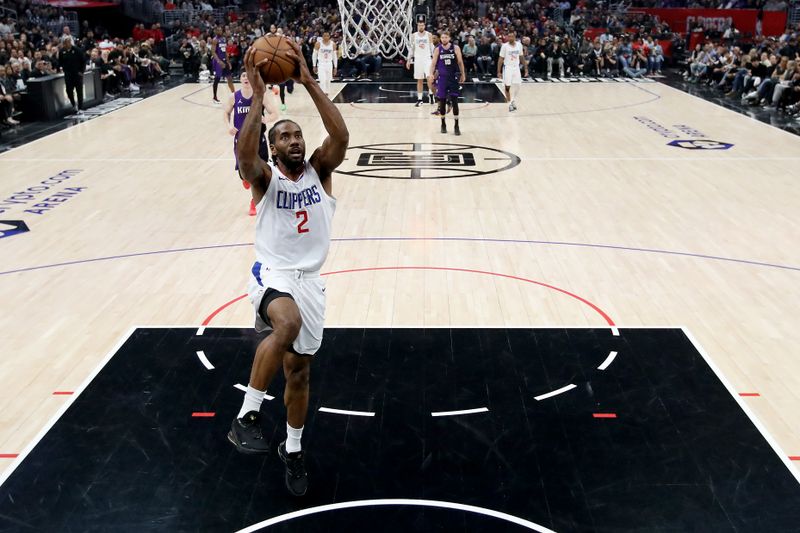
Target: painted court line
{"x": 604, "y": 415}
{"x": 462, "y": 412}
{"x": 555, "y": 392}
{"x": 608, "y": 361}
{"x": 244, "y": 389}
{"x": 783, "y": 456}
{"x": 203, "y": 359}
{"x": 397, "y": 502}
{"x": 201, "y": 330}
{"x": 345, "y": 412}
{"x": 21, "y": 457}
{"x": 203, "y": 414}
{"x": 63, "y": 393}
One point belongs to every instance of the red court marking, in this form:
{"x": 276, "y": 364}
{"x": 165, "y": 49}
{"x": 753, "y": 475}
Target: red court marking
{"x": 210, "y": 317}
{"x": 202, "y": 415}
{"x": 604, "y": 415}
{"x": 794, "y": 457}
{"x": 599, "y": 311}
{"x": 9, "y": 455}
{"x": 749, "y": 394}
{"x": 63, "y": 393}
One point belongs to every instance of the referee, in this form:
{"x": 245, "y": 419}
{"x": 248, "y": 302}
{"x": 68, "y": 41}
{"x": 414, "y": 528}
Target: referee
{"x": 73, "y": 62}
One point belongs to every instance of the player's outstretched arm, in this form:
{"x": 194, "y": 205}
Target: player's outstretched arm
{"x": 330, "y": 155}
{"x": 251, "y": 167}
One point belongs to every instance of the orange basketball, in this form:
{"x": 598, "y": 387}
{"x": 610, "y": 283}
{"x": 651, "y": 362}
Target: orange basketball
{"x": 279, "y": 67}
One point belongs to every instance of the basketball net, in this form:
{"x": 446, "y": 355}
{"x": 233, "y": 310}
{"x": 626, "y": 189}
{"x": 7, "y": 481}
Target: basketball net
{"x": 384, "y": 24}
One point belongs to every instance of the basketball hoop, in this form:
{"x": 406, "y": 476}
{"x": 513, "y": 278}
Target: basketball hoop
{"x": 383, "y": 24}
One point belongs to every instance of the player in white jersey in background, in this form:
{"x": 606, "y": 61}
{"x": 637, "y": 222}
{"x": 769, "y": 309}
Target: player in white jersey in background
{"x": 294, "y": 210}
{"x": 325, "y": 61}
{"x": 420, "y": 56}
{"x": 508, "y": 68}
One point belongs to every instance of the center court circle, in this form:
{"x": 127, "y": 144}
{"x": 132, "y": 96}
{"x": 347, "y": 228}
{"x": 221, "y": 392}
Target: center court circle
{"x": 427, "y": 160}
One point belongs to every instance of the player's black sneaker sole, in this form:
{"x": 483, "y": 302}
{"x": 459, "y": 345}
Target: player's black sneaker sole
{"x": 246, "y": 434}
{"x": 296, "y": 476}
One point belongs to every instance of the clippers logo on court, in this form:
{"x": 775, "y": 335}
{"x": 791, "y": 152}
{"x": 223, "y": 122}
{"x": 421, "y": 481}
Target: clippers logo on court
{"x": 700, "y": 144}
{"x": 425, "y": 161}
{"x": 678, "y": 132}
{"x": 9, "y": 228}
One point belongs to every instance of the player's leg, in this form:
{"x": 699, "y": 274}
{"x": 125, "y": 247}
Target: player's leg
{"x": 230, "y": 82}
{"x": 282, "y": 88}
{"x": 217, "y": 77}
{"x": 419, "y": 89}
{"x": 454, "y": 99}
{"x": 278, "y": 310}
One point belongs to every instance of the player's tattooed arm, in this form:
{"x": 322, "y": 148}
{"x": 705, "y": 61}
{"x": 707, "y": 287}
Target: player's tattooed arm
{"x": 330, "y": 155}
{"x": 251, "y": 167}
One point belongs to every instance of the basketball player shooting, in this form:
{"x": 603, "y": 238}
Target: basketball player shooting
{"x": 235, "y": 112}
{"x": 293, "y": 224}
{"x": 449, "y": 65}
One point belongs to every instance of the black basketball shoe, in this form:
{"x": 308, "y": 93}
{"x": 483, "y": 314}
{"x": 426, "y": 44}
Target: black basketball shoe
{"x": 444, "y": 127}
{"x": 296, "y": 476}
{"x": 246, "y": 434}
{"x": 457, "y": 131}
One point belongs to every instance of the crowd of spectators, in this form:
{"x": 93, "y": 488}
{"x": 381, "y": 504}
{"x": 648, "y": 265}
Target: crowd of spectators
{"x": 765, "y": 73}
{"x": 552, "y": 32}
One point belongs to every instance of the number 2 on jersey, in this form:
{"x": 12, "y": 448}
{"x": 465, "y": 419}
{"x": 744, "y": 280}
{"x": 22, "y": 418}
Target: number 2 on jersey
{"x": 304, "y": 215}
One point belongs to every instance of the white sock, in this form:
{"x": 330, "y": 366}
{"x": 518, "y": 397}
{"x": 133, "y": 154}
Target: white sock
{"x": 293, "y": 439}
{"x": 419, "y": 96}
{"x": 252, "y": 401}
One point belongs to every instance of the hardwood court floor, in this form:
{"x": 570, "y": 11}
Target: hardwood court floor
{"x": 141, "y": 221}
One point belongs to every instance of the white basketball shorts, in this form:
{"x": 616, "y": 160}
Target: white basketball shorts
{"x": 511, "y": 75}
{"x": 308, "y": 291}
{"x": 422, "y": 67}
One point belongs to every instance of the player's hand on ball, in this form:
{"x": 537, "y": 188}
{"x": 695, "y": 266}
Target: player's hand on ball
{"x": 301, "y": 73}
{"x": 252, "y": 69}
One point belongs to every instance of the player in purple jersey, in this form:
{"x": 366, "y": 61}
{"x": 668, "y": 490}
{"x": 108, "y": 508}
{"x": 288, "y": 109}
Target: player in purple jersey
{"x": 449, "y": 65}
{"x": 236, "y": 108}
{"x": 220, "y": 62}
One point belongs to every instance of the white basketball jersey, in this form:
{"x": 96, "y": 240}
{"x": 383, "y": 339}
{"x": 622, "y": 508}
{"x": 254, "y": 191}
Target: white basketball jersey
{"x": 293, "y": 222}
{"x": 511, "y": 54}
{"x": 325, "y": 52}
{"x": 422, "y": 45}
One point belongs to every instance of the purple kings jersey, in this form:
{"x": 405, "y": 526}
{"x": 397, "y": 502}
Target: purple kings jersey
{"x": 241, "y": 106}
{"x": 221, "y": 48}
{"x": 447, "y": 64}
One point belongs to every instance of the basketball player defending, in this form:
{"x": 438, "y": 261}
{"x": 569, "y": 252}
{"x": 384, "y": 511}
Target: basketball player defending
{"x": 293, "y": 225}
{"x": 220, "y": 61}
{"x": 449, "y": 64}
{"x": 420, "y": 57}
{"x": 325, "y": 62}
{"x": 508, "y": 69}
{"x": 238, "y": 105}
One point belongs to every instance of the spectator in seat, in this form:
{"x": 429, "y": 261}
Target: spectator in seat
{"x": 6, "y": 101}
{"x": 484, "y": 57}
{"x": 369, "y": 59}
{"x": 469, "y": 53}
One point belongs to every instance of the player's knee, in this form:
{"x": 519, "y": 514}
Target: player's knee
{"x": 298, "y": 377}
{"x": 287, "y": 328}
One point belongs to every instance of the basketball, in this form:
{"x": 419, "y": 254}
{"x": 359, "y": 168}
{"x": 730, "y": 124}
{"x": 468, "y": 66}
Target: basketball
{"x": 279, "y": 66}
